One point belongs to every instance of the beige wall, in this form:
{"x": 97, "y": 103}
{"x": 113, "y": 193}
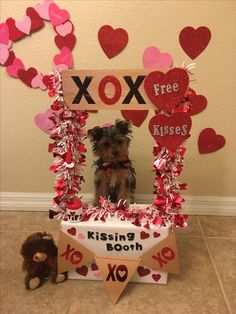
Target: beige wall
{"x": 24, "y": 156}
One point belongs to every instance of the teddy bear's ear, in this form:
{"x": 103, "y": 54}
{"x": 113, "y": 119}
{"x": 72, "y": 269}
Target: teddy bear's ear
{"x": 124, "y": 126}
{"x": 95, "y": 134}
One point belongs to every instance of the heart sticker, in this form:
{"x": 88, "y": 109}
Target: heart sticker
{"x": 209, "y": 141}
{"x": 83, "y": 270}
{"x": 144, "y": 235}
{"x": 112, "y": 41}
{"x": 143, "y": 271}
{"x": 72, "y": 231}
{"x": 94, "y": 267}
{"x": 153, "y": 58}
{"x": 165, "y": 90}
{"x": 156, "y": 277}
{"x": 194, "y": 41}
{"x": 170, "y": 131}
{"x": 136, "y": 116}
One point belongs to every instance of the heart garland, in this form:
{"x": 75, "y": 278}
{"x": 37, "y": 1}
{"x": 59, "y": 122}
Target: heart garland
{"x": 33, "y": 21}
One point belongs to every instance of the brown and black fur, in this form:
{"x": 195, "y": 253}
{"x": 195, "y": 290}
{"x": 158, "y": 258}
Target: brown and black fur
{"x": 114, "y": 175}
{"x": 40, "y": 243}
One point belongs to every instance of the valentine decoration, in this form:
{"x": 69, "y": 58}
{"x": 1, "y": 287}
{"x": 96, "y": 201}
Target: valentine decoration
{"x": 194, "y": 41}
{"x": 209, "y": 141}
{"x": 112, "y": 41}
{"x": 33, "y": 21}
{"x": 136, "y": 116}
{"x": 153, "y": 58}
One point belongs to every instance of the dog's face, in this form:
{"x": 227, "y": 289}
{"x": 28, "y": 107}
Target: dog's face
{"x": 111, "y": 143}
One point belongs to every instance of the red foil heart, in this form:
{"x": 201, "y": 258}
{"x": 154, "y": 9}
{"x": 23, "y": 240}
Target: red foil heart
{"x": 112, "y": 41}
{"x": 198, "y": 104}
{"x": 170, "y": 131}
{"x": 194, "y": 41}
{"x": 209, "y": 141}
{"x": 166, "y": 90}
{"x": 136, "y": 116}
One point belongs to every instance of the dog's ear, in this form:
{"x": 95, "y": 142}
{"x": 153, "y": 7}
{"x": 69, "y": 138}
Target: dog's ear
{"x": 95, "y": 134}
{"x": 124, "y": 126}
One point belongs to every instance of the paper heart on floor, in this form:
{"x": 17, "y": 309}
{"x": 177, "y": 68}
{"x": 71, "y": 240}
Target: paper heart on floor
{"x": 136, "y": 116}
{"x": 112, "y": 41}
{"x": 65, "y": 41}
{"x": 166, "y": 90}
{"x": 64, "y": 57}
{"x": 209, "y": 141}
{"x": 26, "y": 76}
{"x": 143, "y": 271}
{"x": 83, "y": 270}
{"x": 16, "y": 65}
{"x": 64, "y": 29}
{"x": 154, "y": 58}
{"x": 24, "y": 25}
{"x": 43, "y": 122}
{"x": 198, "y": 104}
{"x": 170, "y": 131}
{"x": 4, "y": 33}
{"x": 57, "y": 15}
{"x": 194, "y": 41}
{"x": 36, "y": 21}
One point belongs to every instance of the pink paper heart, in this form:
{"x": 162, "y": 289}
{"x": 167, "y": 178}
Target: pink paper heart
{"x": 25, "y": 25}
{"x": 7, "y": 46}
{"x": 81, "y": 236}
{"x": 64, "y": 57}
{"x": 60, "y": 67}
{"x": 43, "y": 9}
{"x": 97, "y": 275}
{"x": 4, "y": 54}
{"x": 43, "y": 122}
{"x": 37, "y": 82}
{"x": 13, "y": 69}
{"x": 153, "y": 58}
{"x": 4, "y": 33}
{"x": 64, "y": 29}
{"x": 57, "y": 16}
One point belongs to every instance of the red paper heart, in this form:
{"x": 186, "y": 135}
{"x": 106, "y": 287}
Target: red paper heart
{"x": 143, "y": 271}
{"x": 170, "y": 131}
{"x": 176, "y": 79}
{"x": 198, "y": 104}
{"x": 10, "y": 59}
{"x": 36, "y": 21}
{"x": 136, "y": 116}
{"x": 194, "y": 41}
{"x": 156, "y": 234}
{"x": 72, "y": 231}
{"x": 14, "y": 33}
{"x": 26, "y": 76}
{"x": 83, "y": 270}
{"x": 144, "y": 235}
{"x": 112, "y": 41}
{"x": 209, "y": 141}
{"x": 66, "y": 41}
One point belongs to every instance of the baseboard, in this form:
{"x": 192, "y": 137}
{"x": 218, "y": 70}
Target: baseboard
{"x": 193, "y": 205}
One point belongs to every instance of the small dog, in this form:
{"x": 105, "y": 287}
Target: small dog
{"x": 114, "y": 175}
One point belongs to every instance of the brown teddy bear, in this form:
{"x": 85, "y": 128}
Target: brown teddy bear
{"x": 40, "y": 260}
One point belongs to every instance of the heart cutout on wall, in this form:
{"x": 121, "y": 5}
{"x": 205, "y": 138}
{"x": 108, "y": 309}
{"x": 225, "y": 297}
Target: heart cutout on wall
{"x": 194, "y": 41}
{"x": 209, "y": 141}
{"x": 154, "y": 58}
{"x": 165, "y": 90}
{"x": 136, "y": 116}
{"x": 170, "y": 131}
{"x": 112, "y": 41}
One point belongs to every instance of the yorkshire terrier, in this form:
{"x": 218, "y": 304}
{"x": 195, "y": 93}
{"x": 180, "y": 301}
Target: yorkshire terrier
{"x": 114, "y": 175}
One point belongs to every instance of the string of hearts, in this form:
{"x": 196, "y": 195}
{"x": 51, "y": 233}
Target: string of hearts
{"x": 12, "y": 31}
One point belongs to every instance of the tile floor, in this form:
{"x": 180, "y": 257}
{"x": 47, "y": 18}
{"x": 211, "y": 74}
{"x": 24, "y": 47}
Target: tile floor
{"x": 207, "y": 283}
